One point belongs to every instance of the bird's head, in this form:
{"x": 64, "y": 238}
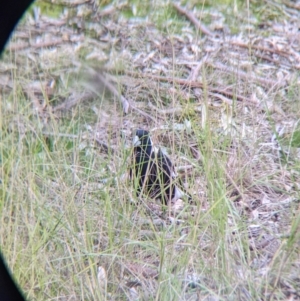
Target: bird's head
{"x": 142, "y": 139}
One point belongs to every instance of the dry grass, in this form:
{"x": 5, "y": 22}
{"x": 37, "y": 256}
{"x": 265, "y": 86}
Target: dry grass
{"x": 224, "y": 104}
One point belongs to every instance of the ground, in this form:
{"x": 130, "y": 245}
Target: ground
{"x": 217, "y": 84}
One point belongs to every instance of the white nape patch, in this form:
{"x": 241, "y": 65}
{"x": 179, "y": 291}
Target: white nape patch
{"x": 155, "y": 149}
{"x": 178, "y": 194}
{"x": 173, "y": 174}
{"x": 151, "y": 143}
{"x": 164, "y": 151}
{"x": 136, "y": 141}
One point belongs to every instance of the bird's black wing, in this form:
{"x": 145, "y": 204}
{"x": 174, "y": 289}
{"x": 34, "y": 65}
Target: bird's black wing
{"x": 167, "y": 185}
{"x": 140, "y": 170}
{"x": 153, "y": 175}
{"x": 161, "y": 178}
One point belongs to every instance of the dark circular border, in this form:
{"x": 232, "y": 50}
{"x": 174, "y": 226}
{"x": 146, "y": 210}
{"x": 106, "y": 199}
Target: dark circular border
{"x": 11, "y": 11}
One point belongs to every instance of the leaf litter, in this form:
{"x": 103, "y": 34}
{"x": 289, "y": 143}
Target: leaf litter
{"x": 244, "y": 84}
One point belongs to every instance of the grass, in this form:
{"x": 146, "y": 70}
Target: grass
{"x": 70, "y": 229}
{"x": 65, "y": 227}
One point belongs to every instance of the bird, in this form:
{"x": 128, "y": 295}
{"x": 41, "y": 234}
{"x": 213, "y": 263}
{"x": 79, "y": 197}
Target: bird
{"x": 152, "y": 170}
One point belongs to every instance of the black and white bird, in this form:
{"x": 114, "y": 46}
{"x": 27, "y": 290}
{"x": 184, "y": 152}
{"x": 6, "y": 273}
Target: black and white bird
{"x": 152, "y": 171}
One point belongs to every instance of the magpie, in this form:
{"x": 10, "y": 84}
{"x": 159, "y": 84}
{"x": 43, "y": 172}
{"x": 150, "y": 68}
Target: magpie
{"x": 152, "y": 170}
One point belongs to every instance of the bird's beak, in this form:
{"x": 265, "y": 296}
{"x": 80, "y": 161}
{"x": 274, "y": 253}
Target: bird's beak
{"x": 136, "y": 141}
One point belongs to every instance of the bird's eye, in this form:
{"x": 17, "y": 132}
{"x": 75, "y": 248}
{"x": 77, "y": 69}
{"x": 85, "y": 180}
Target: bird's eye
{"x": 136, "y": 141}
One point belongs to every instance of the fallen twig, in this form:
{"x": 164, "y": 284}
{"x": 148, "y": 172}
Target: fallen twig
{"x": 177, "y": 110}
{"x": 113, "y": 90}
{"x": 110, "y": 9}
{"x": 44, "y": 44}
{"x": 291, "y": 4}
{"x": 241, "y": 74}
{"x": 126, "y": 103}
{"x": 193, "y": 19}
{"x": 285, "y": 53}
{"x": 103, "y": 146}
{"x": 264, "y": 49}
{"x": 193, "y": 84}
{"x": 72, "y": 100}
{"x": 195, "y": 71}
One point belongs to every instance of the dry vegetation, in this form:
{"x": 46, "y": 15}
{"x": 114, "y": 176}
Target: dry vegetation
{"x": 218, "y": 86}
